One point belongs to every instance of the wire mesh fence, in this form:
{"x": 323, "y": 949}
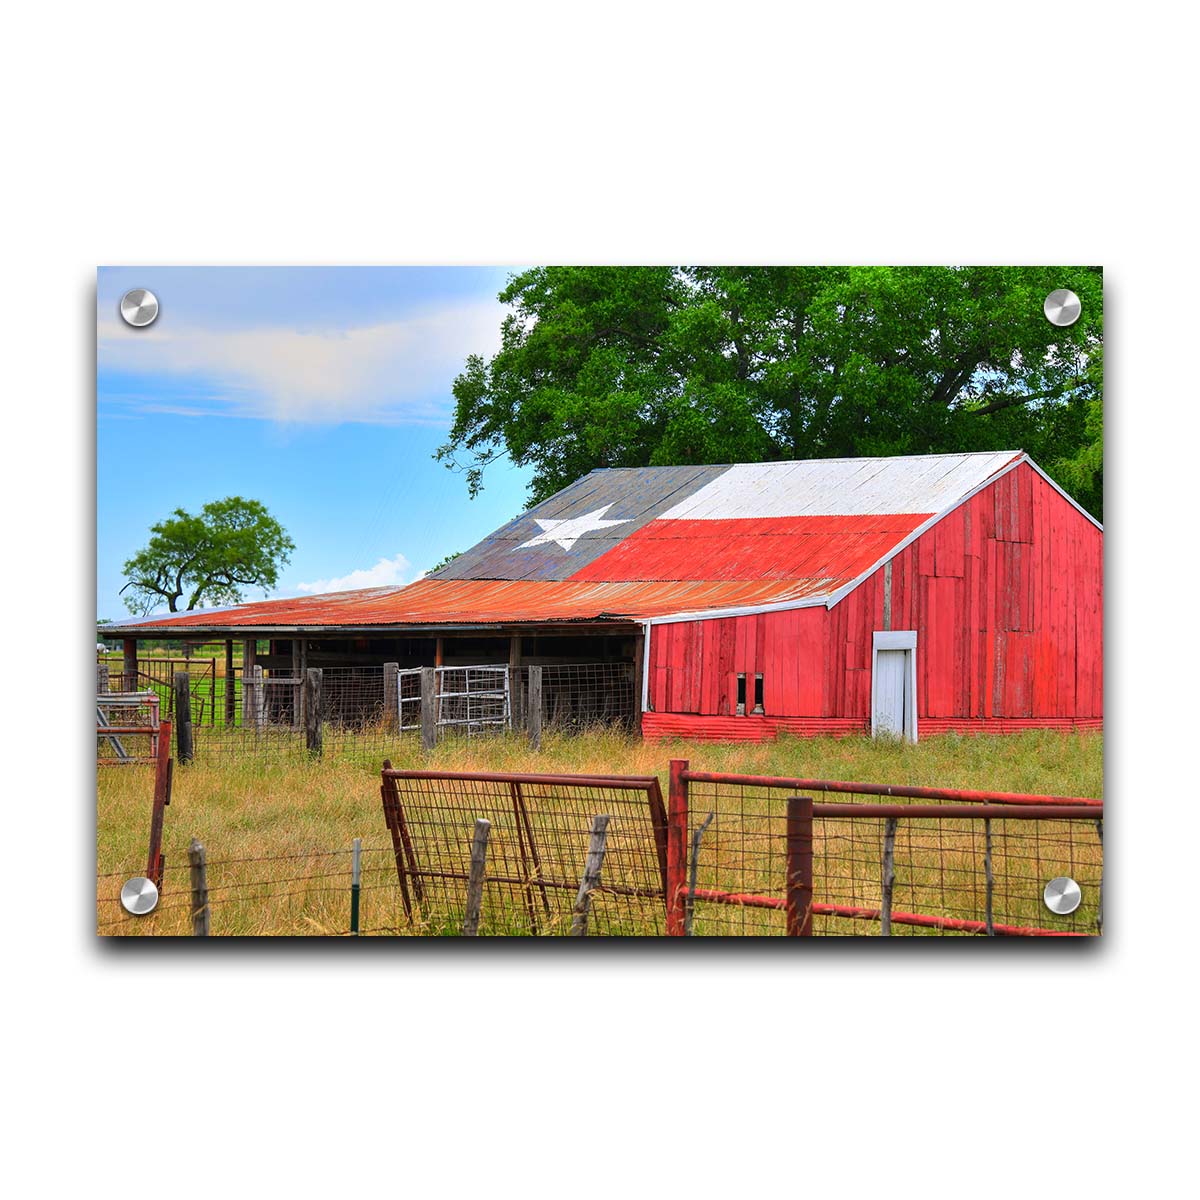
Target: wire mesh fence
{"x": 578, "y": 695}
{"x": 206, "y": 683}
{"x": 127, "y": 727}
{"x": 722, "y": 861}
{"x": 948, "y": 868}
{"x": 536, "y": 853}
{"x": 359, "y": 711}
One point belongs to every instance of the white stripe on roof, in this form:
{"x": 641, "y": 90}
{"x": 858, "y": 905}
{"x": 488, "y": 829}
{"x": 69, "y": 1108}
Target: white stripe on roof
{"x": 925, "y": 483}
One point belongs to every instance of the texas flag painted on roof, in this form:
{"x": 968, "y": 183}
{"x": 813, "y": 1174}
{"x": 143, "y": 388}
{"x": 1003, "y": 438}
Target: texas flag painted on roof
{"x": 820, "y": 522}
{"x": 635, "y": 543}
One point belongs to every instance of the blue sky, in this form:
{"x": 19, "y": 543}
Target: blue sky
{"x": 321, "y": 391}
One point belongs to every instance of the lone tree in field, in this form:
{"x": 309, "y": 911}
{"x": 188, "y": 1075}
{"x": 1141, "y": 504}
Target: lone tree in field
{"x": 208, "y": 559}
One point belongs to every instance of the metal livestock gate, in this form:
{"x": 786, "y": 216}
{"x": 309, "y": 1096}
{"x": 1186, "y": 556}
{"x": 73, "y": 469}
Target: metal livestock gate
{"x": 741, "y": 854}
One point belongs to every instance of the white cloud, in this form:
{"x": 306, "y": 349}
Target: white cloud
{"x": 392, "y": 372}
{"x": 386, "y": 572}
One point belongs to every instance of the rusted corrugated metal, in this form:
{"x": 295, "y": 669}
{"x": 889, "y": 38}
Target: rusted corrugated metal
{"x": 499, "y": 602}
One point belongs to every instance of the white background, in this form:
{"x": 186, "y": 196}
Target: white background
{"x": 1031, "y": 133}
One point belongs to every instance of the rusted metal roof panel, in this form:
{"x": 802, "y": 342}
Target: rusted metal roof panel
{"x": 498, "y": 602}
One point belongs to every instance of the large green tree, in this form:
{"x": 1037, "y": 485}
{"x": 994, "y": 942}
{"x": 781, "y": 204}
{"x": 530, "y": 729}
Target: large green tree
{"x": 634, "y": 366}
{"x": 207, "y": 558}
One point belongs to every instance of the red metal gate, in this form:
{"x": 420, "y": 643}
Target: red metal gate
{"x": 787, "y": 864}
{"x": 537, "y": 849}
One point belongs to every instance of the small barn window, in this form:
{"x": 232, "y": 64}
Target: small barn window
{"x": 758, "y": 693}
{"x": 741, "y": 694}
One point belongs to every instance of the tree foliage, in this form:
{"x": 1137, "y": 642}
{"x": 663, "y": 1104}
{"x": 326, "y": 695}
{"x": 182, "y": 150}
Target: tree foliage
{"x": 207, "y": 558}
{"x": 635, "y": 366}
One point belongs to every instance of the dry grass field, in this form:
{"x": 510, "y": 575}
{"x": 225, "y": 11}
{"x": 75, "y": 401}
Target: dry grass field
{"x": 278, "y": 835}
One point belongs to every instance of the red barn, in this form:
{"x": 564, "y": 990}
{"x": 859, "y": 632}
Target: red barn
{"x": 955, "y": 592}
{"x": 909, "y": 595}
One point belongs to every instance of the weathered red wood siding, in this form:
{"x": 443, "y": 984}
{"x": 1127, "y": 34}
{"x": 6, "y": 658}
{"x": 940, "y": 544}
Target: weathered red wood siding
{"x": 1005, "y": 594}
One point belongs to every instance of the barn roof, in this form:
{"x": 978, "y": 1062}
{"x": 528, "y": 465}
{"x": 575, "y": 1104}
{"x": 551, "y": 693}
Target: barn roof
{"x": 645, "y": 543}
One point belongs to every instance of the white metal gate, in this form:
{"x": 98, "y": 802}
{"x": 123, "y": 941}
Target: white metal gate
{"x": 469, "y": 699}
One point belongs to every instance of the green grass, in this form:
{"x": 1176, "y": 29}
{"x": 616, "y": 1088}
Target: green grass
{"x": 255, "y": 809}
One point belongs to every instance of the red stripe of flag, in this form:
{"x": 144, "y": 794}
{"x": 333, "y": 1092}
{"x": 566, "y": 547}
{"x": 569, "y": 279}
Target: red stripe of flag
{"x": 837, "y": 547}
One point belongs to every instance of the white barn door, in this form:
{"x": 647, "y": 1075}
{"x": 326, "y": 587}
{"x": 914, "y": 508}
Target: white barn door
{"x": 894, "y": 684}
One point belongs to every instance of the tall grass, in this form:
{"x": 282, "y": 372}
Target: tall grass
{"x": 302, "y": 816}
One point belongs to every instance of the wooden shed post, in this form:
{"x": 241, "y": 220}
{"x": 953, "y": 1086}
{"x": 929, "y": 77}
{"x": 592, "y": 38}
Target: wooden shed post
{"x": 639, "y": 667}
{"x": 259, "y": 695}
{"x": 249, "y": 651}
{"x": 391, "y": 696}
{"x": 230, "y": 690}
{"x": 298, "y": 685}
{"x": 439, "y": 654}
{"x": 129, "y": 648}
{"x": 516, "y": 699}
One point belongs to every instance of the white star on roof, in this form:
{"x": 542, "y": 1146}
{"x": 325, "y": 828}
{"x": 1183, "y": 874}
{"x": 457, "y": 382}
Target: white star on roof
{"x": 567, "y": 532}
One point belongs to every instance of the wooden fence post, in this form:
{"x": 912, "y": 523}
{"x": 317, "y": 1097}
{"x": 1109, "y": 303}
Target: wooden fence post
{"x": 101, "y": 677}
{"x": 201, "y": 916}
{"x": 313, "y": 710}
{"x": 689, "y": 911}
{"x": 799, "y": 866}
{"x": 535, "y": 707}
{"x": 677, "y": 820}
{"x": 429, "y": 722}
{"x": 355, "y": 879}
{"x": 591, "y": 876}
{"x": 162, "y": 797}
{"x": 391, "y": 696}
{"x": 889, "y": 876}
{"x": 183, "y": 716}
{"x": 479, "y": 845}
{"x": 1100, "y": 885}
